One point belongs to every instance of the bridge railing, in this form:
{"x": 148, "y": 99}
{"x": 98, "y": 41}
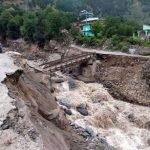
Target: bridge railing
{"x": 60, "y": 61}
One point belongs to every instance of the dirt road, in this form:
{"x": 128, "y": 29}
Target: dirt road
{"x": 104, "y": 52}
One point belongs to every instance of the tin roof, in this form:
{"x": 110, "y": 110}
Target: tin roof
{"x": 90, "y": 19}
{"x": 146, "y": 27}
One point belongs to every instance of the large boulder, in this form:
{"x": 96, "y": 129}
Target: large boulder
{"x": 82, "y": 109}
{"x": 65, "y": 102}
{"x": 53, "y": 45}
{"x": 54, "y": 56}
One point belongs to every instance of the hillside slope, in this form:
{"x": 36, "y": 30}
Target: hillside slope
{"x": 138, "y": 10}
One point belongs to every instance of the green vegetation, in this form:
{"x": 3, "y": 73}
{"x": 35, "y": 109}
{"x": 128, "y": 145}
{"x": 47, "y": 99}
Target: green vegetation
{"x": 136, "y": 41}
{"x": 37, "y": 25}
{"x": 114, "y": 34}
{"x": 137, "y": 10}
{"x": 42, "y": 24}
{"x": 114, "y": 29}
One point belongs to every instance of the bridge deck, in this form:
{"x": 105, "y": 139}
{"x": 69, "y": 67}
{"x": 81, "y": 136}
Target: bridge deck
{"x": 60, "y": 64}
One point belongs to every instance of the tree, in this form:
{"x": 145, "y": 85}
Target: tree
{"x": 4, "y": 20}
{"x": 111, "y": 26}
{"x": 28, "y": 28}
{"x": 97, "y": 28}
{"x": 53, "y": 25}
{"x": 125, "y": 30}
{"x": 39, "y": 36}
{"x": 13, "y": 29}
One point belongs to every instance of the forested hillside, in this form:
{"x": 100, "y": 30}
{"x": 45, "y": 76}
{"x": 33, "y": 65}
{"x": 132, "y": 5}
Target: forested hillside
{"x": 138, "y": 10}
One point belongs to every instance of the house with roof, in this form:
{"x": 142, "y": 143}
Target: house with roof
{"x": 145, "y": 31}
{"x": 85, "y": 25}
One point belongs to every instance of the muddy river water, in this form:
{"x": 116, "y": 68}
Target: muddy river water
{"x": 125, "y": 126}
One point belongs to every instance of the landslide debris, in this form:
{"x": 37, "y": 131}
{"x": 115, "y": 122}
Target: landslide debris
{"x": 146, "y": 73}
{"x": 41, "y": 106}
{"x": 35, "y": 121}
{"x": 127, "y": 78}
{"x": 30, "y": 111}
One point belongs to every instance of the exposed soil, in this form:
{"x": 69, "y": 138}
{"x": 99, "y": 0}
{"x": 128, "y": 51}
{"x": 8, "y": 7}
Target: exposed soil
{"x": 123, "y": 76}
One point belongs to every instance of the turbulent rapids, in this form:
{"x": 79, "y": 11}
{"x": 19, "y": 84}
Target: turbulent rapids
{"x": 122, "y": 124}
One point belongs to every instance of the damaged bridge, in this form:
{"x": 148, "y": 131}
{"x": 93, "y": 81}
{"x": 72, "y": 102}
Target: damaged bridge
{"x": 66, "y": 63}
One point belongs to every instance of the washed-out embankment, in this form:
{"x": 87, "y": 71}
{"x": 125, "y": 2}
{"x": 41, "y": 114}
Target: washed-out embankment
{"x": 127, "y": 78}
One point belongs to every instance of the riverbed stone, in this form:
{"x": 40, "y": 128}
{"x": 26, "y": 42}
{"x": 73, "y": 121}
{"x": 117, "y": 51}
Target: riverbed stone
{"x": 72, "y": 84}
{"x": 82, "y": 110}
{"x": 65, "y": 102}
{"x": 130, "y": 115}
{"x": 90, "y": 131}
{"x": 68, "y": 112}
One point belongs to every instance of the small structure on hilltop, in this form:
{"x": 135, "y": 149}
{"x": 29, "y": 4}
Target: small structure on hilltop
{"x": 85, "y": 22}
{"x": 85, "y": 14}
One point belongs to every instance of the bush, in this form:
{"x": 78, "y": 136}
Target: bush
{"x": 146, "y": 44}
{"x": 88, "y": 41}
{"x": 135, "y": 40}
{"x": 115, "y": 40}
{"x": 13, "y": 30}
{"x": 97, "y": 28}
{"x": 74, "y": 31}
{"x": 124, "y": 47}
{"x": 79, "y": 39}
{"x": 118, "y": 44}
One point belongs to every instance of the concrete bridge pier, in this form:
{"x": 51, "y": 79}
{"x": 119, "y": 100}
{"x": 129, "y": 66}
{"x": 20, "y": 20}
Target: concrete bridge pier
{"x": 89, "y": 71}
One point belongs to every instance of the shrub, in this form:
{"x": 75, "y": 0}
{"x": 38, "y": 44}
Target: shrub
{"x": 135, "y": 40}
{"x": 97, "y": 28}
{"x": 74, "y": 31}
{"x": 88, "y": 41}
{"x": 146, "y": 44}
{"x": 13, "y": 30}
{"x": 125, "y": 48}
{"x": 115, "y": 40}
{"x": 79, "y": 39}
{"x": 117, "y": 44}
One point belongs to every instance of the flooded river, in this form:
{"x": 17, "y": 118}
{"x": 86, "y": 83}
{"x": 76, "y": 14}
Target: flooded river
{"x": 125, "y": 126}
